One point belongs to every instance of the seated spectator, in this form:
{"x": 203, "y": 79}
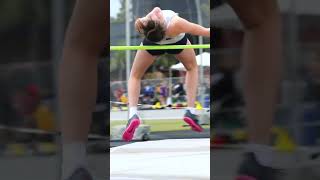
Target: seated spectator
{"x": 124, "y": 98}
{"x": 148, "y": 95}
{"x": 178, "y": 92}
{"x": 118, "y": 93}
{"x": 148, "y": 91}
{"x": 164, "y": 93}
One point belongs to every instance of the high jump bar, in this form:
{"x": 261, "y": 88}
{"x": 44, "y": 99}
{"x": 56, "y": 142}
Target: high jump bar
{"x": 160, "y": 47}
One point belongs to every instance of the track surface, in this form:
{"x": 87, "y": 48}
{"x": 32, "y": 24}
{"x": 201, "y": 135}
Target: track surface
{"x": 46, "y": 167}
{"x": 185, "y": 134}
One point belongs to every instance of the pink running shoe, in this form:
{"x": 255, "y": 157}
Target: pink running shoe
{"x": 193, "y": 121}
{"x": 132, "y": 125}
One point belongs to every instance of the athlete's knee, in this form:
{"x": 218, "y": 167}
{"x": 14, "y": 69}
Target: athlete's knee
{"x": 191, "y": 67}
{"x": 87, "y": 45}
{"x": 260, "y": 18}
{"x": 135, "y": 76}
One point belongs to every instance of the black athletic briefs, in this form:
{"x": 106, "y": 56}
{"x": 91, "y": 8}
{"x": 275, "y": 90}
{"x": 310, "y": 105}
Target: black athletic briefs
{"x": 183, "y": 41}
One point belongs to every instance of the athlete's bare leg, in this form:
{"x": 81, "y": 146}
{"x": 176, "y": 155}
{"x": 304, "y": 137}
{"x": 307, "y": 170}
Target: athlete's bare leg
{"x": 85, "y": 37}
{"x": 188, "y": 59}
{"x": 141, "y": 63}
{"x": 262, "y": 64}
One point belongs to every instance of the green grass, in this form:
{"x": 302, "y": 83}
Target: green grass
{"x": 161, "y": 125}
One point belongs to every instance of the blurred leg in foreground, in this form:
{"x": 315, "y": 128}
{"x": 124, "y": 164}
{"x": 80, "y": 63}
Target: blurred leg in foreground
{"x": 84, "y": 41}
{"x": 262, "y": 50}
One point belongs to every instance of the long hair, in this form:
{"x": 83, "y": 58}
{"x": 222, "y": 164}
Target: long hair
{"x": 152, "y": 31}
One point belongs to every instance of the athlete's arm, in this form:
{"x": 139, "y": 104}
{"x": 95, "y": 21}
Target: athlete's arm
{"x": 180, "y": 25}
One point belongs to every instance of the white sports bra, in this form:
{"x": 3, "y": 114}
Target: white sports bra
{"x": 168, "y": 15}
